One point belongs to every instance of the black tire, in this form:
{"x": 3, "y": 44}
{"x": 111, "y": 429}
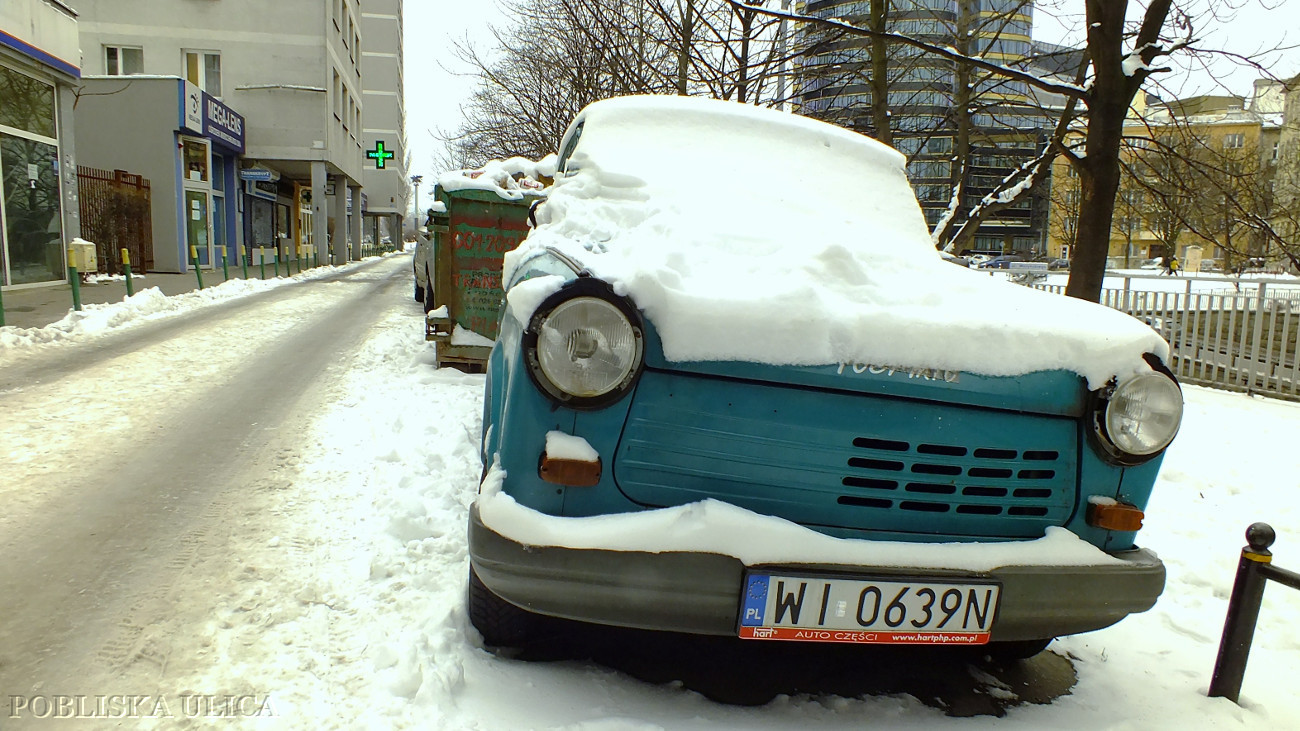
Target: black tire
{"x": 1017, "y": 650}
{"x": 501, "y": 623}
{"x": 419, "y": 293}
{"x": 428, "y": 296}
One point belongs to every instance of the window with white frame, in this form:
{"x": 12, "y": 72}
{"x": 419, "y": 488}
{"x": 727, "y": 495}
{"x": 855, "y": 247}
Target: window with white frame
{"x": 123, "y": 60}
{"x": 1234, "y": 141}
{"x": 203, "y": 69}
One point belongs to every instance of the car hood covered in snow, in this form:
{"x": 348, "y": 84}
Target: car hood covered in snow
{"x": 748, "y": 234}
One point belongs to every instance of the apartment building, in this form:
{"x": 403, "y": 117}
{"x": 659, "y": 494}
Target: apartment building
{"x": 1189, "y": 168}
{"x": 383, "y": 119}
{"x": 247, "y": 117}
{"x": 39, "y": 69}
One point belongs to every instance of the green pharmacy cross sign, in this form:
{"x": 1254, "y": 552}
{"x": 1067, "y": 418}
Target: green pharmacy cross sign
{"x": 379, "y": 154}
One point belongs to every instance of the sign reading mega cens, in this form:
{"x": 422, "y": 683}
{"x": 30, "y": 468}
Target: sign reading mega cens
{"x": 205, "y": 115}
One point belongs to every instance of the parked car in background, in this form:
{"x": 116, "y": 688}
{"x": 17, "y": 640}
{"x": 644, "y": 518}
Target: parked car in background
{"x": 1058, "y": 264}
{"x": 1001, "y": 262}
{"x": 777, "y": 415}
{"x": 422, "y": 259}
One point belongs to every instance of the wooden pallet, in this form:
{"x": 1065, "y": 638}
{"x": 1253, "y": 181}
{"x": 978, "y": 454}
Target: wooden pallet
{"x": 467, "y": 358}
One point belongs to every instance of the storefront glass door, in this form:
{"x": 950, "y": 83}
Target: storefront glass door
{"x": 33, "y": 226}
{"x": 196, "y": 225}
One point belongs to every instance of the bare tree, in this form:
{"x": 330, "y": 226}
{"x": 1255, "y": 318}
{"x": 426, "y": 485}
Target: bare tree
{"x": 1122, "y": 55}
{"x": 556, "y": 58}
{"x": 560, "y": 55}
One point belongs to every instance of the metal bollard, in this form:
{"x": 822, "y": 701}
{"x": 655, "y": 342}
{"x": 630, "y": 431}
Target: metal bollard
{"x": 75, "y": 279}
{"x": 1254, "y": 569}
{"x": 126, "y": 268}
{"x": 194, "y": 258}
{"x": 275, "y": 261}
{"x": 243, "y": 261}
{"x": 225, "y": 268}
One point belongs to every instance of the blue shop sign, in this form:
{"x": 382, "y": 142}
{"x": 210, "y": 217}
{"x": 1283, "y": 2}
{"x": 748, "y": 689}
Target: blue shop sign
{"x": 204, "y": 114}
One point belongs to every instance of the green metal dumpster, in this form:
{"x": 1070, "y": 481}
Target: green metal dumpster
{"x": 468, "y": 250}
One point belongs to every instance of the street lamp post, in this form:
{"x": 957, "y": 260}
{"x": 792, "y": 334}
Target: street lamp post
{"x": 415, "y": 180}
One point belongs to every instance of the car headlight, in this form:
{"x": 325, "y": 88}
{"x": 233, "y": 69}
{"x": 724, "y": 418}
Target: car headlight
{"x": 1139, "y": 417}
{"x": 584, "y": 345}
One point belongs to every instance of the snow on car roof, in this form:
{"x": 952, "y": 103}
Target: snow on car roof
{"x": 751, "y": 234}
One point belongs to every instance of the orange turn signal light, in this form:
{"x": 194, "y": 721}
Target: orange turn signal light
{"x": 569, "y": 472}
{"x": 1114, "y": 516}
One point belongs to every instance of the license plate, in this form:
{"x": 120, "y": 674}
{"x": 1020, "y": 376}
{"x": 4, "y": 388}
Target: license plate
{"x": 866, "y": 611}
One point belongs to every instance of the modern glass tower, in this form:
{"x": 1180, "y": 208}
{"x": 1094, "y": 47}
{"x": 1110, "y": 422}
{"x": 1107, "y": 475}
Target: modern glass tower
{"x": 1003, "y": 127}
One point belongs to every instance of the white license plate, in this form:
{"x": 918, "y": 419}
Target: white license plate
{"x": 866, "y": 611}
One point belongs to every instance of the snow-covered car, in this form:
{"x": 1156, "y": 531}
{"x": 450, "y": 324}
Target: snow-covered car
{"x": 738, "y": 392}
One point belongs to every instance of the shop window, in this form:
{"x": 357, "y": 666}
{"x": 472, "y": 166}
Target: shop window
{"x": 203, "y": 69}
{"x": 218, "y": 173}
{"x": 33, "y": 223}
{"x": 29, "y": 104}
{"x": 196, "y": 161}
{"x": 123, "y": 60}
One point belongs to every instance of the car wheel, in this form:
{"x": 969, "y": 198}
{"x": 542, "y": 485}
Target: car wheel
{"x": 419, "y": 293}
{"x": 428, "y": 297}
{"x": 1018, "y": 650}
{"x": 501, "y": 623}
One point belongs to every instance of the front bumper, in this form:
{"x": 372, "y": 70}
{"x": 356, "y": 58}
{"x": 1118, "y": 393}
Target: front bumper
{"x": 699, "y": 593}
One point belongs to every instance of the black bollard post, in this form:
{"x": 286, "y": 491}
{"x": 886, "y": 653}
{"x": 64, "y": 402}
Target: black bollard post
{"x": 1243, "y": 612}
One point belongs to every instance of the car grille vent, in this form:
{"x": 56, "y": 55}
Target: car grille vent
{"x": 981, "y": 480}
{"x": 845, "y": 463}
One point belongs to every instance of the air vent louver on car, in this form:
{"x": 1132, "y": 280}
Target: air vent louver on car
{"x": 960, "y": 496}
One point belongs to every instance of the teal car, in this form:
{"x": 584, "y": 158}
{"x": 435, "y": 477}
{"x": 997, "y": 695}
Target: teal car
{"x": 758, "y": 457}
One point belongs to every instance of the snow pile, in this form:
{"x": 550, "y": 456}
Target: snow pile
{"x": 751, "y": 234}
{"x": 95, "y": 320}
{"x": 512, "y": 179}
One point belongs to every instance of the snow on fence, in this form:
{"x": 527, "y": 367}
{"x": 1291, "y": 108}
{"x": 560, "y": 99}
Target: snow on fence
{"x": 1234, "y": 334}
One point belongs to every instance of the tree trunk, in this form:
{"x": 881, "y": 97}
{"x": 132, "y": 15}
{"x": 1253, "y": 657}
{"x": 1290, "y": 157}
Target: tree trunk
{"x": 1109, "y": 99}
{"x": 880, "y": 74}
{"x": 685, "y": 51}
{"x": 746, "y": 27}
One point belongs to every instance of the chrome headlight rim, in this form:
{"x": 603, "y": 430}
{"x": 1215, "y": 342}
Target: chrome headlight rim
{"x": 1102, "y": 401}
{"x": 584, "y": 286}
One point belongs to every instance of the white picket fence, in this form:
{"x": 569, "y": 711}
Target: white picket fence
{"x": 1237, "y": 334}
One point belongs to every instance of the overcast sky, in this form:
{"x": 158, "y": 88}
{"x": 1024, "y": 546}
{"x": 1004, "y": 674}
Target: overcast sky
{"x": 434, "y": 91}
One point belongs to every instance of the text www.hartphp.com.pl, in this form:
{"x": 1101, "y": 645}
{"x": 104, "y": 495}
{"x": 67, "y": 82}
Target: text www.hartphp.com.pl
{"x": 186, "y": 705}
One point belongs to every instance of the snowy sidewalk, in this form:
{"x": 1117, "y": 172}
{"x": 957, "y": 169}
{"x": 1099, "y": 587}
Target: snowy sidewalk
{"x": 41, "y": 306}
